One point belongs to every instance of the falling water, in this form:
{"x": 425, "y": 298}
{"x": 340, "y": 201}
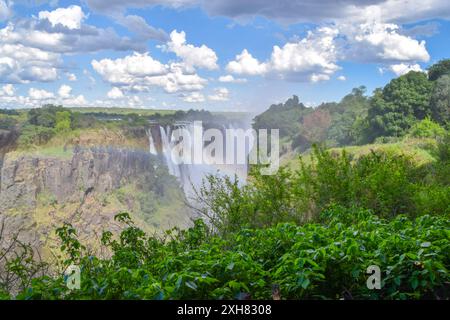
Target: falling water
{"x": 151, "y": 143}
{"x": 189, "y": 175}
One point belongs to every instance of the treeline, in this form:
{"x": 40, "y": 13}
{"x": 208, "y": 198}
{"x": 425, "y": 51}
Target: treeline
{"x": 357, "y": 119}
{"x": 40, "y": 125}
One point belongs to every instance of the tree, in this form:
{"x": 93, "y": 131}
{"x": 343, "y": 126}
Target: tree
{"x": 439, "y": 69}
{"x": 440, "y": 100}
{"x": 62, "y": 121}
{"x": 396, "y": 107}
{"x": 285, "y": 117}
{"x": 44, "y": 116}
{"x": 315, "y": 125}
{"x": 427, "y": 129}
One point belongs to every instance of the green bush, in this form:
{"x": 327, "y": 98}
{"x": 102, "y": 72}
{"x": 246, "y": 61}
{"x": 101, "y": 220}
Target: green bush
{"x": 385, "y": 183}
{"x": 314, "y": 261}
{"x": 35, "y": 135}
{"x": 427, "y": 129}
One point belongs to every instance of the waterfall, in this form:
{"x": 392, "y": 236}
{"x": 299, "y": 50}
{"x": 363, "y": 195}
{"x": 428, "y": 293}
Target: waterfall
{"x": 151, "y": 142}
{"x": 189, "y": 175}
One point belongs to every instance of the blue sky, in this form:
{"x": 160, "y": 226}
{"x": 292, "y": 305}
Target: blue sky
{"x": 218, "y": 55}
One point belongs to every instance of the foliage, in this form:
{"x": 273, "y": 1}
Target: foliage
{"x": 388, "y": 184}
{"x": 347, "y": 118}
{"x": 19, "y": 263}
{"x": 62, "y": 121}
{"x": 44, "y": 116}
{"x": 314, "y": 261}
{"x": 334, "y": 123}
{"x": 439, "y": 69}
{"x": 394, "y": 109}
{"x": 427, "y": 129}
{"x": 7, "y": 123}
{"x": 285, "y": 117}
{"x": 10, "y": 112}
{"x": 35, "y": 135}
{"x": 440, "y": 100}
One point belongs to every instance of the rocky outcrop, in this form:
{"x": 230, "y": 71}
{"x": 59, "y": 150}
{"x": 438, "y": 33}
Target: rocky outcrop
{"x": 39, "y": 193}
{"x": 100, "y": 170}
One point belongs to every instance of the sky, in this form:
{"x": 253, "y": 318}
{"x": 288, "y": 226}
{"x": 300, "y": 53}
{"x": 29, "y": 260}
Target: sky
{"x": 219, "y": 55}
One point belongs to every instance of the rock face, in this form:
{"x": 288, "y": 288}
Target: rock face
{"x": 86, "y": 188}
{"x": 100, "y": 170}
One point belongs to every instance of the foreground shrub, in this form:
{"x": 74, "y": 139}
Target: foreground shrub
{"x": 388, "y": 184}
{"x": 426, "y": 128}
{"x": 313, "y": 261}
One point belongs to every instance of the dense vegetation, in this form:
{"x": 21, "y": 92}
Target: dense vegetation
{"x": 310, "y": 233}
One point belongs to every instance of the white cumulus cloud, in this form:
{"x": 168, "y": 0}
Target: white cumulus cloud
{"x": 402, "y": 68}
{"x": 310, "y": 59}
{"x": 70, "y": 17}
{"x": 194, "y": 97}
{"x": 21, "y": 64}
{"x": 245, "y": 63}
{"x": 64, "y": 91}
{"x": 230, "y": 79}
{"x": 71, "y": 77}
{"x": 115, "y": 93}
{"x": 381, "y": 42}
{"x": 140, "y": 72}
{"x": 201, "y": 57}
{"x": 7, "y": 90}
{"x": 40, "y": 94}
{"x": 220, "y": 94}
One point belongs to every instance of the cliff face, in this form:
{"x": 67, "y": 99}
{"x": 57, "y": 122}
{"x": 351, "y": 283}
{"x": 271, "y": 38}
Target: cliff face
{"x": 87, "y": 187}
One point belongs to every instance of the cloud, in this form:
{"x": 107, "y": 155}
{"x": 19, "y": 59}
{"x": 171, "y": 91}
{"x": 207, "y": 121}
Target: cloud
{"x": 380, "y": 43}
{"x": 115, "y": 93}
{"x": 315, "y": 57}
{"x": 55, "y": 32}
{"x": 124, "y": 70}
{"x": 7, "y": 90}
{"x": 428, "y": 29}
{"x": 140, "y": 72}
{"x": 118, "y": 6}
{"x": 64, "y": 91}
{"x": 220, "y": 94}
{"x": 401, "y": 69}
{"x": 230, "y": 79}
{"x": 245, "y": 63}
{"x": 295, "y": 11}
{"x": 193, "y": 97}
{"x": 310, "y": 59}
{"x": 21, "y": 64}
{"x": 40, "y": 94}
{"x": 38, "y": 97}
{"x": 341, "y": 78}
{"x": 5, "y": 10}
{"x": 71, "y": 77}
{"x": 201, "y": 57}
{"x": 70, "y": 17}
{"x": 72, "y": 101}
{"x": 140, "y": 27}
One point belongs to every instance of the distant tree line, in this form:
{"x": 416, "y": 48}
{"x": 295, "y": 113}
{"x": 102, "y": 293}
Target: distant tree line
{"x": 391, "y": 111}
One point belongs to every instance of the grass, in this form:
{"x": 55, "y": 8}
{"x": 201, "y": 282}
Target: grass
{"x": 418, "y": 148}
{"x": 58, "y": 152}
